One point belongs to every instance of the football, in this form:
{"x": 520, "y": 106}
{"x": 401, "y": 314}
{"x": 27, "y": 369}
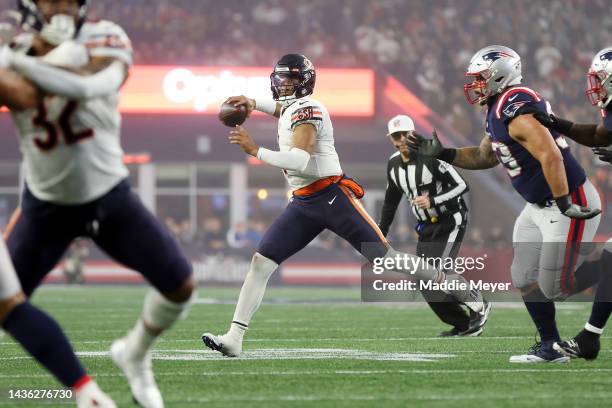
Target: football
{"x": 232, "y": 115}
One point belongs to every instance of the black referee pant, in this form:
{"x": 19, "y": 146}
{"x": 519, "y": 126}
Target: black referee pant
{"x": 443, "y": 240}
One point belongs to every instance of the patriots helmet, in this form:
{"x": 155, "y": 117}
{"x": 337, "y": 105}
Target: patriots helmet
{"x": 293, "y": 78}
{"x": 493, "y": 69}
{"x": 33, "y": 20}
{"x": 599, "y": 88}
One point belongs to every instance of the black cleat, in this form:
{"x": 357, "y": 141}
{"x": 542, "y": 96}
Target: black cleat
{"x": 477, "y": 321}
{"x": 585, "y": 345}
{"x": 455, "y": 332}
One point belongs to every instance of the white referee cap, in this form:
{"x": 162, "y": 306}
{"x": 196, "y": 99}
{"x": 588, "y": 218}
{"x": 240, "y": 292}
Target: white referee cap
{"x": 400, "y": 123}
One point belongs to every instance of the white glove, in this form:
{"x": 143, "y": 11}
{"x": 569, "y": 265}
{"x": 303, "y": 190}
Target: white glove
{"x": 6, "y": 56}
{"x": 61, "y": 28}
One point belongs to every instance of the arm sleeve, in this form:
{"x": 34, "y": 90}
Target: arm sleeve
{"x": 393, "y": 196}
{"x": 451, "y": 177}
{"x": 68, "y": 84}
{"x": 294, "y": 159}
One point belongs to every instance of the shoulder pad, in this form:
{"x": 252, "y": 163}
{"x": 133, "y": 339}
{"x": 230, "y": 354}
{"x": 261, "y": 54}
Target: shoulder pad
{"x": 513, "y": 99}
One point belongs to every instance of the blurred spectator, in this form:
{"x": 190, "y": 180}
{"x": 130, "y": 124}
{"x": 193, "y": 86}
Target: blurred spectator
{"x": 212, "y": 235}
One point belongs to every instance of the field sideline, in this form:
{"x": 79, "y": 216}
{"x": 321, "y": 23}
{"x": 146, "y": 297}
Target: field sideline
{"x": 317, "y": 347}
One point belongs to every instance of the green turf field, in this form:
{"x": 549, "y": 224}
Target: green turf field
{"x": 317, "y": 347}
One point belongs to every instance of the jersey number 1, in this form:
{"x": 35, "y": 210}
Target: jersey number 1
{"x": 63, "y": 124}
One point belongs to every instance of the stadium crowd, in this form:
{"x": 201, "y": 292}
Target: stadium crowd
{"x": 426, "y": 44}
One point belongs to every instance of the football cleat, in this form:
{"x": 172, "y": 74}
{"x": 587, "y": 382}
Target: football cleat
{"x": 540, "y": 353}
{"x": 455, "y": 332}
{"x": 581, "y": 346}
{"x": 91, "y": 396}
{"x": 450, "y": 333}
{"x": 139, "y": 375}
{"x": 223, "y": 344}
{"x": 477, "y": 321}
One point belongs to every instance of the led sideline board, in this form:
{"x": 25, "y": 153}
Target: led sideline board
{"x": 201, "y": 90}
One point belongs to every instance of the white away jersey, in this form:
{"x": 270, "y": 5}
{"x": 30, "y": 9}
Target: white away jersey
{"x": 71, "y": 148}
{"x": 324, "y": 160}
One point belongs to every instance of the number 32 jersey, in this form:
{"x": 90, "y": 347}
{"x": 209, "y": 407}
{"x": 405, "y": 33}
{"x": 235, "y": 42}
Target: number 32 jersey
{"x": 71, "y": 148}
{"x": 523, "y": 169}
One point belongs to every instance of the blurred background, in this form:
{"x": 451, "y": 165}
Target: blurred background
{"x": 374, "y": 59}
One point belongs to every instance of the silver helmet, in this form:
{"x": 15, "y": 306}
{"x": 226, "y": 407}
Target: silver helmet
{"x": 493, "y": 69}
{"x": 599, "y": 89}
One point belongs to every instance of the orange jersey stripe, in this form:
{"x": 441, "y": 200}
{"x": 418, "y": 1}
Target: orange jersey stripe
{"x": 363, "y": 213}
{"x": 11, "y": 224}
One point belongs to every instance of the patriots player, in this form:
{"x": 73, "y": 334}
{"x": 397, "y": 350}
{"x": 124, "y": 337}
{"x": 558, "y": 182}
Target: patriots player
{"x": 563, "y": 207}
{"x": 323, "y": 198}
{"x": 599, "y": 92}
{"x": 75, "y": 180}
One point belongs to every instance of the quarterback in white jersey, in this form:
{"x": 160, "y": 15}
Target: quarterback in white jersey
{"x": 323, "y": 160}
{"x": 61, "y": 82}
{"x": 323, "y": 197}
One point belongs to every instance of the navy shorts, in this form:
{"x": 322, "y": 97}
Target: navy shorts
{"x": 117, "y": 222}
{"x": 334, "y": 208}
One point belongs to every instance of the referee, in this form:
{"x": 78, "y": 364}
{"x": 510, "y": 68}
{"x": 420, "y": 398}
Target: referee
{"x": 434, "y": 189}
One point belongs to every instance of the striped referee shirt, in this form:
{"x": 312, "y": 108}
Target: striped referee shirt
{"x": 422, "y": 175}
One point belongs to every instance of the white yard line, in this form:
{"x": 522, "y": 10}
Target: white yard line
{"x": 7, "y": 342}
{"x": 261, "y": 373}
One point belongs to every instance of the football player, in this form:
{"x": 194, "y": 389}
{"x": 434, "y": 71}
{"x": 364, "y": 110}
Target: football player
{"x": 586, "y": 343}
{"x": 323, "y": 198}
{"x": 75, "y": 180}
{"x": 563, "y": 207}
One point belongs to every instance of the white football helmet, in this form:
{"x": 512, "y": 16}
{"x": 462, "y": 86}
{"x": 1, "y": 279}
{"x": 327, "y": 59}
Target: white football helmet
{"x": 494, "y": 68}
{"x": 599, "y": 88}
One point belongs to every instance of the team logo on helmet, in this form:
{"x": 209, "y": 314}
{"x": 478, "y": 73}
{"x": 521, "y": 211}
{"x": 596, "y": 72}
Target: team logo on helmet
{"x": 308, "y": 64}
{"x": 606, "y": 56}
{"x": 495, "y": 55}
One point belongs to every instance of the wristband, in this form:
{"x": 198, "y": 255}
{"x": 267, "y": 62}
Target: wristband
{"x": 563, "y": 203}
{"x": 447, "y": 155}
{"x": 265, "y": 106}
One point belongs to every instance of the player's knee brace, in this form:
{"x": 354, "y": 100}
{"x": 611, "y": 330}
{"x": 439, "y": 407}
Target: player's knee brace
{"x": 262, "y": 267}
{"x": 160, "y": 313}
{"x": 521, "y": 278}
{"x": 550, "y": 289}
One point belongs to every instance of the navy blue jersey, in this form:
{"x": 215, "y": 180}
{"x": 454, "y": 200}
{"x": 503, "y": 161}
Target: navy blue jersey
{"x": 607, "y": 119}
{"x": 523, "y": 169}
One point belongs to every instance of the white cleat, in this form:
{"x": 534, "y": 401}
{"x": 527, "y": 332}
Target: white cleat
{"x": 540, "y": 353}
{"x": 530, "y": 358}
{"x": 91, "y": 396}
{"x": 139, "y": 375}
{"x": 224, "y": 344}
